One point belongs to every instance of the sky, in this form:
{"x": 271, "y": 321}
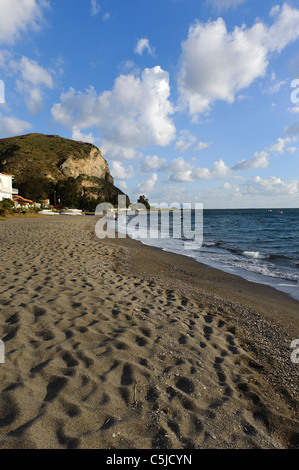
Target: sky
{"x": 188, "y": 100}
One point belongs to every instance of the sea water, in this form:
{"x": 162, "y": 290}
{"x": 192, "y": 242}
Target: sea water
{"x": 260, "y": 245}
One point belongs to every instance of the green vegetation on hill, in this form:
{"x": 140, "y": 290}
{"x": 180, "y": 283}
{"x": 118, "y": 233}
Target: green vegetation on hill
{"x": 36, "y": 161}
{"x": 39, "y": 153}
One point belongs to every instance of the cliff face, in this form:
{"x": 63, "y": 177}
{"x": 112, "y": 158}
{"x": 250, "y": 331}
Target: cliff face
{"x": 93, "y": 165}
{"x": 56, "y": 159}
{"x": 51, "y": 156}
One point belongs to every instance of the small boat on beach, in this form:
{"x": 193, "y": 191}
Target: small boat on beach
{"x": 48, "y": 212}
{"x": 70, "y": 213}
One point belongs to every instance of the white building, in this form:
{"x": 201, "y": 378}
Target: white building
{"x": 6, "y": 189}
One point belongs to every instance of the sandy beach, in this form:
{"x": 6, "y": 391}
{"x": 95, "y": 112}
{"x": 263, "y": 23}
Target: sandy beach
{"x": 110, "y": 344}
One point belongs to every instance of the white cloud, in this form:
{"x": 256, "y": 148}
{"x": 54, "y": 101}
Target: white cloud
{"x": 144, "y": 45}
{"x": 225, "y": 4}
{"x": 17, "y": 16}
{"x": 151, "y": 163}
{"x": 257, "y": 192}
{"x": 216, "y": 64}
{"x": 119, "y": 152}
{"x": 254, "y": 192}
{"x": 284, "y": 30}
{"x": 134, "y": 114}
{"x": 119, "y": 172}
{"x": 106, "y": 16}
{"x": 271, "y": 186}
{"x": 280, "y": 146}
{"x": 34, "y": 79}
{"x": 183, "y": 176}
{"x": 95, "y": 7}
{"x": 33, "y": 96}
{"x": 294, "y": 110}
{"x": 5, "y": 58}
{"x": 275, "y": 84}
{"x": 178, "y": 166}
{"x": 274, "y": 10}
{"x": 259, "y": 160}
{"x": 81, "y": 137}
{"x": 182, "y": 171}
{"x": 10, "y": 126}
{"x": 147, "y": 186}
{"x": 292, "y": 129}
{"x": 202, "y": 146}
{"x": 33, "y": 73}
{"x": 219, "y": 171}
{"x": 129, "y": 66}
{"x": 185, "y": 141}
{"x": 122, "y": 185}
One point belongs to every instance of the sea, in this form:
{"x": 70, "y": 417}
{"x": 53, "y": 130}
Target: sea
{"x": 260, "y": 245}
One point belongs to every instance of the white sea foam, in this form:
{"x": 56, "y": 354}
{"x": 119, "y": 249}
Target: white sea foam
{"x": 254, "y": 254}
{"x": 253, "y": 265}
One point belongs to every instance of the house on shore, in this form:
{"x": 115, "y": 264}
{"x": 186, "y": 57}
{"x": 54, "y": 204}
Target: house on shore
{"x": 6, "y": 189}
{"x": 22, "y": 203}
{"x": 8, "y": 192}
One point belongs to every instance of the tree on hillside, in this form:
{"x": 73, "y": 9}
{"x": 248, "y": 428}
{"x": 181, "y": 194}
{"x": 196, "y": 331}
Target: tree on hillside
{"x": 35, "y": 188}
{"x": 143, "y": 200}
{"x": 68, "y": 192}
{"x": 88, "y": 204}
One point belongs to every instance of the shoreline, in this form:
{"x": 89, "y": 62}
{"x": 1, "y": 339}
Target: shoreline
{"x": 257, "y": 303}
{"x": 210, "y": 276}
{"x": 115, "y": 344}
{"x": 281, "y": 284}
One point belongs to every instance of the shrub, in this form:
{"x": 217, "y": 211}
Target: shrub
{"x": 3, "y": 212}
{"x": 7, "y": 205}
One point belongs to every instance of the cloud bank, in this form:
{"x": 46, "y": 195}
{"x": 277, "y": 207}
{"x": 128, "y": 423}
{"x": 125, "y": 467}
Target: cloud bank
{"x": 18, "y": 16}
{"x": 216, "y": 64}
{"x": 135, "y": 113}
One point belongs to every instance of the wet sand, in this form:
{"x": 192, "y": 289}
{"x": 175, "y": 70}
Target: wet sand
{"x": 115, "y": 345}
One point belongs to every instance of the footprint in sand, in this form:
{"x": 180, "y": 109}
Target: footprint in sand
{"x": 127, "y": 375}
{"x": 54, "y": 388}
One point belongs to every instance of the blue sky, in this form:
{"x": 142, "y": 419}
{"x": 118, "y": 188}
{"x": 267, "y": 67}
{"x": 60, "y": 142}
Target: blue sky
{"x": 189, "y": 100}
